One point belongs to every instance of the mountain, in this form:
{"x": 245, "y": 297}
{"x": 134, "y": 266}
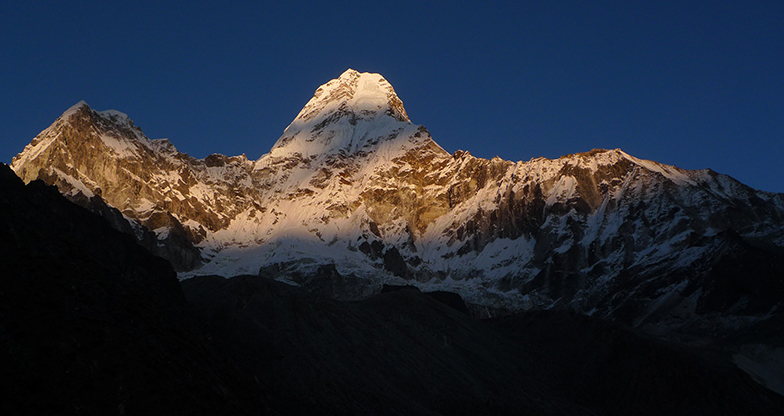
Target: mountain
{"x": 354, "y": 195}
{"x": 91, "y": 323}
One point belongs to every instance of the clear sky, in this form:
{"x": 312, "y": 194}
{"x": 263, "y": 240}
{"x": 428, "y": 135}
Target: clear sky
{"x": 696, "y": 84}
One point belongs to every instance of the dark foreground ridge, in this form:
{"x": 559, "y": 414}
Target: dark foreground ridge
{"x": 404, "y": 352}
{"x": 92, "y": 324}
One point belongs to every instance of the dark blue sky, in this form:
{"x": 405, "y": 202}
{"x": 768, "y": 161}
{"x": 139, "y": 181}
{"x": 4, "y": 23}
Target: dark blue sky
{"x": 694, "y": 84}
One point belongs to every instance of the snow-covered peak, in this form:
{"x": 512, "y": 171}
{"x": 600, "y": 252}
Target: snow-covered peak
{"x": 360, "y": 92}
{"x": 114, "y": 130}
{"x": 116, "y": 116}
{"x": 346, "y": 114}
{"x": 73, "y": 110}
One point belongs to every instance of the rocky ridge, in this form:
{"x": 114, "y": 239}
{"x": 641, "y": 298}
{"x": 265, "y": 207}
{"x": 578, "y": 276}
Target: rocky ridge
{"x": 356, "y": 195}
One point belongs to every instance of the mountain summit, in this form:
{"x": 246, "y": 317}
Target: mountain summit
{"x": 348, "y": 114}
{"x": 354, "y": 196}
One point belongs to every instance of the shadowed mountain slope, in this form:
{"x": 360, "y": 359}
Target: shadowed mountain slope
{"x": 92, "y": 324}
{"x": 404, "y": 352}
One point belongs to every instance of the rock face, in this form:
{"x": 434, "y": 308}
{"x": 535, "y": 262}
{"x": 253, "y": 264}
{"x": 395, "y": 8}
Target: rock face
{"x": 89, "y": 154}
{"x": 355, "y": 194}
